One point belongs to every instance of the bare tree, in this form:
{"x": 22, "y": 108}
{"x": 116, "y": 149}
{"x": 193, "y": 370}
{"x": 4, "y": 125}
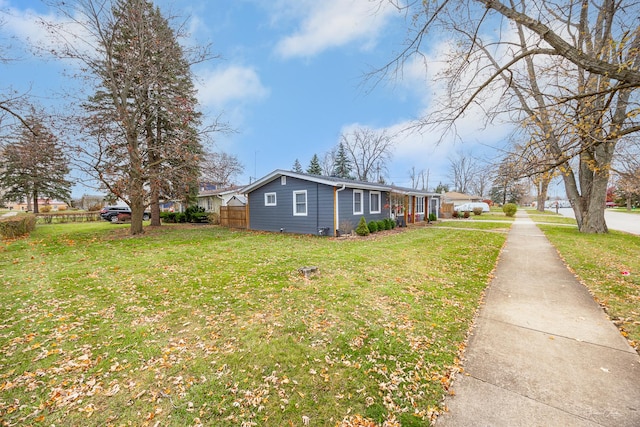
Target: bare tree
{"x": 627, "y": 171}
{"x": 414, "y": 176}
{"x": 463, "y": 171}
{"x": 327, "y": 162}
{"x": 570, "y": 72}
{"x": 481, "y": 180}
{"x": 12, "y": 103}
{"x": 369, "y": 151}
{"x": 221, "y": 168}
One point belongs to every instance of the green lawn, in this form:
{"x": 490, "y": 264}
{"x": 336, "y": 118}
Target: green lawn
{"x": 624, "y": 210}
{"x": 199, "y": 325}
{"x": 549, "y": 217}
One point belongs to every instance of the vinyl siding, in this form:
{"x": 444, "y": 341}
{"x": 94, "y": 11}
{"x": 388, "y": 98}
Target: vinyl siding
{"x": 349, "y": 221}
{"x": 280, "y": 217}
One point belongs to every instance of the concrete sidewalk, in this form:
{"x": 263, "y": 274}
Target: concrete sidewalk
{"x": 543, "y": 352}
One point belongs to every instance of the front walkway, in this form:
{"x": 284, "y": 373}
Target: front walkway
{"x": 543, "y": 352}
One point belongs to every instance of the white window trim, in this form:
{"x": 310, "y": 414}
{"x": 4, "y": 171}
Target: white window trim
{"x": 266, "y": 199}
{"x": 361, "y": 211}
{"x": 418, "y": 210}
{"x": 379, "y": 207}
{"x": 283, "y": 180}
{"x": 306, "y": 205}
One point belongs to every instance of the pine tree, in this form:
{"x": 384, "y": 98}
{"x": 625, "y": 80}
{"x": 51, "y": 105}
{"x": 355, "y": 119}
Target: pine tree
{"x": 35, "y": 166}
{"x": 342, "y": 164}
{"x": 297, "y": 167}
{"x": 314, "y": 166}
{"x": 144, "y": 115}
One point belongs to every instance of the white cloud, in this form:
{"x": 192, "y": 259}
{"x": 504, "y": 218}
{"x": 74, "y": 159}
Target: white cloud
{"x": 24, "y": 25}
{"x": 235, "y": 84}
{"x": 332, "y": 23}
{"x": 430, "y": 148}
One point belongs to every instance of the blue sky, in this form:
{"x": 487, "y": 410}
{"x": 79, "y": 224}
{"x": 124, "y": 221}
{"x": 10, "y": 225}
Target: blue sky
{"x": 290, "y": 80}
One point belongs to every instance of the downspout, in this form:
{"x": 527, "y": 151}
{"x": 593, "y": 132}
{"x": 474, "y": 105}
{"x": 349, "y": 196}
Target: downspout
{"x": 337, "y": 207}
{"x": 247, "y": 214}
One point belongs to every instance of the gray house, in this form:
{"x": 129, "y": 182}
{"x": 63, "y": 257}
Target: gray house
{"x": 291, "y": 202}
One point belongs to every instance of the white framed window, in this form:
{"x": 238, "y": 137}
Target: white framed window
{"x": 270, "y": 199}
{"x": 283, "y": 180}
{"x": 420, "y": 205}
{"x": 357, "y": 202}
{"x": 374, "y": 202}
{"x": 300, "y": 203}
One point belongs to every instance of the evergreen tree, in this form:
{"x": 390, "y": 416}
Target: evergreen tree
{"x": 144, "y": 115}
{"x": 297, "y": 167}
{"x": 342, "y": 164}
{"x": 35, "y": 166}
{"x": 314, "y": 166}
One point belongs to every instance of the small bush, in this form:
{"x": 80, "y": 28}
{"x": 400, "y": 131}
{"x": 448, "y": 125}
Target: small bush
{"x": 44, "y": 209}
{"x": 362, "y": 229}
{"x": 373, "y": 226}
{"x": 181, "y": 217}
{"x": 510, "y": 209}
{"x": 433, "y": 217}
{"x": 381, "y": 225}
{"x": 213, "y": 217}
{"x": 467, "y": 214}
{"x": 168, "y": 217}
{"x": 17, "y": 226}
{"x": 388, "y": 223}
{"x": 193, "y": 214}
{"x": 346, "y": 226}
{"x": 199, "y": 217}
{"x": 62, "y": 208}
{"x": 477, "y": 211}
{"x": 123, "y": 217}
{"x": 95, "y": 207}
{"x": 455, "y": 214}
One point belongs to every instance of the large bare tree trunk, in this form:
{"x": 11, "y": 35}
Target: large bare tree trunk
{"x": 542, "y": 188}
{"x": 155, "y": 204}
{"x": 588, "y": 201}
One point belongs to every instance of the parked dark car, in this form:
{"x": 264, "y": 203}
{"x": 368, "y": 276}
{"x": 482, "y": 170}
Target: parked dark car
{"x": 110, "y": 213}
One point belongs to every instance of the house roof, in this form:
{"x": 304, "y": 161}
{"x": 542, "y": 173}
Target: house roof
{"x": 336, "y": 182}
{"x": 413, "y": 191}
{"x": 327, "y": 180}
{"x": 220, "y": 191}
{"x": 453, "y": 195}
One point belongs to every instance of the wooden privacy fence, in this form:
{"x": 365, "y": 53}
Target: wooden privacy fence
{"x": 233, "y": 216}
{"x": 446, "y": 210}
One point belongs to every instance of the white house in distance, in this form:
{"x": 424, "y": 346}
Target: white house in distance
{"x": 212, "y": 200}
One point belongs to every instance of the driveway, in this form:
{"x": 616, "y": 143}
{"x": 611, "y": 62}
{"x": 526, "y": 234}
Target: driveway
{"x": 619, "y": 221}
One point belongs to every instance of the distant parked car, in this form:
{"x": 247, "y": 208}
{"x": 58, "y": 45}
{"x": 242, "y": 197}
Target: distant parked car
{"x": 468, "y": 207}
{"x": 110, "y": 213}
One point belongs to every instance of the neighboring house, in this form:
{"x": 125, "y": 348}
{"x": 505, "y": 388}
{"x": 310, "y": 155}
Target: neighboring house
{"x": 459, "y": 198}
{"x": 212, "y": 200}
{"x": 237, "y": 200}
{"x": 87, "y": 202}
{"x": 285, "y": 201}
{"x": 24, "y": 206}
